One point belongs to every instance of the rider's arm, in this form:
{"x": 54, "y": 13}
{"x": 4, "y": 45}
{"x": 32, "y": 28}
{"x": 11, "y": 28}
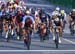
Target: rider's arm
{"x": 47, "y": 21}
{"x": 65, "y": 15}
{"x": 53, "y": 24}
{"x": 33, "y": 21}
{"x": 23, "y": 21}
{"x": 69, "y": 18}
{"x": 61, "y": 21}
{"x": 0, "y": 13}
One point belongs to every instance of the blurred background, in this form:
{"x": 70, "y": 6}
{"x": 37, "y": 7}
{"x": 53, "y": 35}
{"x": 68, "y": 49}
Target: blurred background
{"x": 67, "y": 3}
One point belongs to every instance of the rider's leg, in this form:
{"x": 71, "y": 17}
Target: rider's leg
{"x": 12, "y": 31}
{"x": 26, "y": 39}
{"x": 71, "y": 27}
{"x": 74, "y": 27}
{"x": 63, "y": 25}
{"x": 53, "y": 33}
{"x": 18, "y": 32}
{"x": 60, "y": 34}
{"x": 6, "y": 34}
{"x": 6, "y": 30}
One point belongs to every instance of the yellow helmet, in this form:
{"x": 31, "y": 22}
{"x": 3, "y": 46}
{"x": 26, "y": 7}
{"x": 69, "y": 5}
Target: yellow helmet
{"x": 15, "y": 5}
{"x": 11, "y": 1}
{"x": 62, "y": 11}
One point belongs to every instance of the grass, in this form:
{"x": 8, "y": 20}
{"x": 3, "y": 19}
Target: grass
{"x": 68, "y": 3}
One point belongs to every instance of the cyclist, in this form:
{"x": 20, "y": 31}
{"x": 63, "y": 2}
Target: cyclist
{"x": 57, "y": 23}
{"x": 63, "y": 17}
{"x": 1, "y": 23}
{"x": 72, "y": 18}
{"x": 28, "y": 24}
{"x": 44, "y": 23}
{"x": 37, "y": 20}
{"x": 19, "y": 19}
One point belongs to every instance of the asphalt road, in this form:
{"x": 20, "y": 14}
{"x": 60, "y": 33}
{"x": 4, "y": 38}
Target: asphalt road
{"x": 68, "y": 43}
{"x": 41, "y": 52}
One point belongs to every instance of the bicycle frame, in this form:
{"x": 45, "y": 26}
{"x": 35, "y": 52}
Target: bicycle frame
{"x": 9, "y": 32}
{"x": 56, "y": 37}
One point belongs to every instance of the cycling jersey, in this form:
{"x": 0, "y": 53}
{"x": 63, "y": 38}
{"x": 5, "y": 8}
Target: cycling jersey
{"x": 0, "y": 15}
{"x": 43, "y": 18}
{"x": 62, "y": 17}
{"x": 25, "y": 17}
{"x": 72, "y": 16}
{"x": 19, "y": 17}
{"x": 27, "y": 21}
{"x": 56, "y": 22}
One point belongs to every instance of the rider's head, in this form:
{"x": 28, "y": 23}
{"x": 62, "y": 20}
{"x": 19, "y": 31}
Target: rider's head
{"x": 43, "y": 10}
{"x": 21, "y": 3}
{"x": 11, "y": 2}
{"x": 73, "y": 11}
{"x": 57, "y": 9}
{"x": 28, "y": 12}
{"x": 36, "y": 14}
{"x": 62, "y": 11}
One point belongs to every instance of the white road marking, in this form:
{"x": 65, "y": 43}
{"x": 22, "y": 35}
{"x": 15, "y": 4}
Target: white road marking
{"x": 36, "y": 50}
{"x": 69, "y": 41}
{"x": 62, "y": 38}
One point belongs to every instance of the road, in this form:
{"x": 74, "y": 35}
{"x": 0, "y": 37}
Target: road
{"x": 68, "y": 41}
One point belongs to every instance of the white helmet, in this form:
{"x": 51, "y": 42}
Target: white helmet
{"x": 73, "y": 10}
{"x": 28, "y": 12}
{"x": 36, "y": 12}
{"x": 55, "y": 13}
{"x": 0, "y": 1}
{"x": 57, "y": 8}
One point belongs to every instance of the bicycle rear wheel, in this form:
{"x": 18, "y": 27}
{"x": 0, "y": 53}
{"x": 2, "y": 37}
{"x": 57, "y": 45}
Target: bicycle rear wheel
{"x": 57, "y": 41}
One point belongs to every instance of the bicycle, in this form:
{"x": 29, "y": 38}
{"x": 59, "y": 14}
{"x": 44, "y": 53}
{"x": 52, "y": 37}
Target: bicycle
{"x": 27, "y": 37}
{"x": 43, "y": 33}
{"x": 56, "y": 37}
{"x": 1, "y": 27}
{"x": 9, "y": 33}
{"x": 72, "y": 28}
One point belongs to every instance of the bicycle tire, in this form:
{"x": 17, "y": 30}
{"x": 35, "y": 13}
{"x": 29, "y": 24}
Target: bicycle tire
{"x": 57, "y": 40}
{"x": 8, "y": 38}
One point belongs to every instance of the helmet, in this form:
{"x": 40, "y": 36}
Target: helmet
{"x": 11, "y": 1}
{"x": 0, "y": 1}
{"x": 36, "y": 12}
{"x": 15, "y": 5}
{"x": 55, "y": 13}
{"x": 57, "y": 8}
{"x": 73, "y": 10}
{"x": 21, "y": 3}
{"x": 27, "y": 12}
{"x": 62, "y": 11}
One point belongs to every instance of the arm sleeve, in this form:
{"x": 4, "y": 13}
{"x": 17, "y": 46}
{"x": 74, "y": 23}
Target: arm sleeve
{"x": 32, "y": 20}
{"x": 65, "y": 15}
{"x": 23, "y": 21}
{"x": 0, "y": 13}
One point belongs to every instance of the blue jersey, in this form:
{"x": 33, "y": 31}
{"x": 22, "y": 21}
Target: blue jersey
{"x": 43, "y": 18}
{"x": 0, "y": 14}
{"x": 25, "y": 17}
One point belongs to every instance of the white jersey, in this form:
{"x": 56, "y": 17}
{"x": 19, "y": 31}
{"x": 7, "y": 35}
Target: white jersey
{"x": 56, "y": 13}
